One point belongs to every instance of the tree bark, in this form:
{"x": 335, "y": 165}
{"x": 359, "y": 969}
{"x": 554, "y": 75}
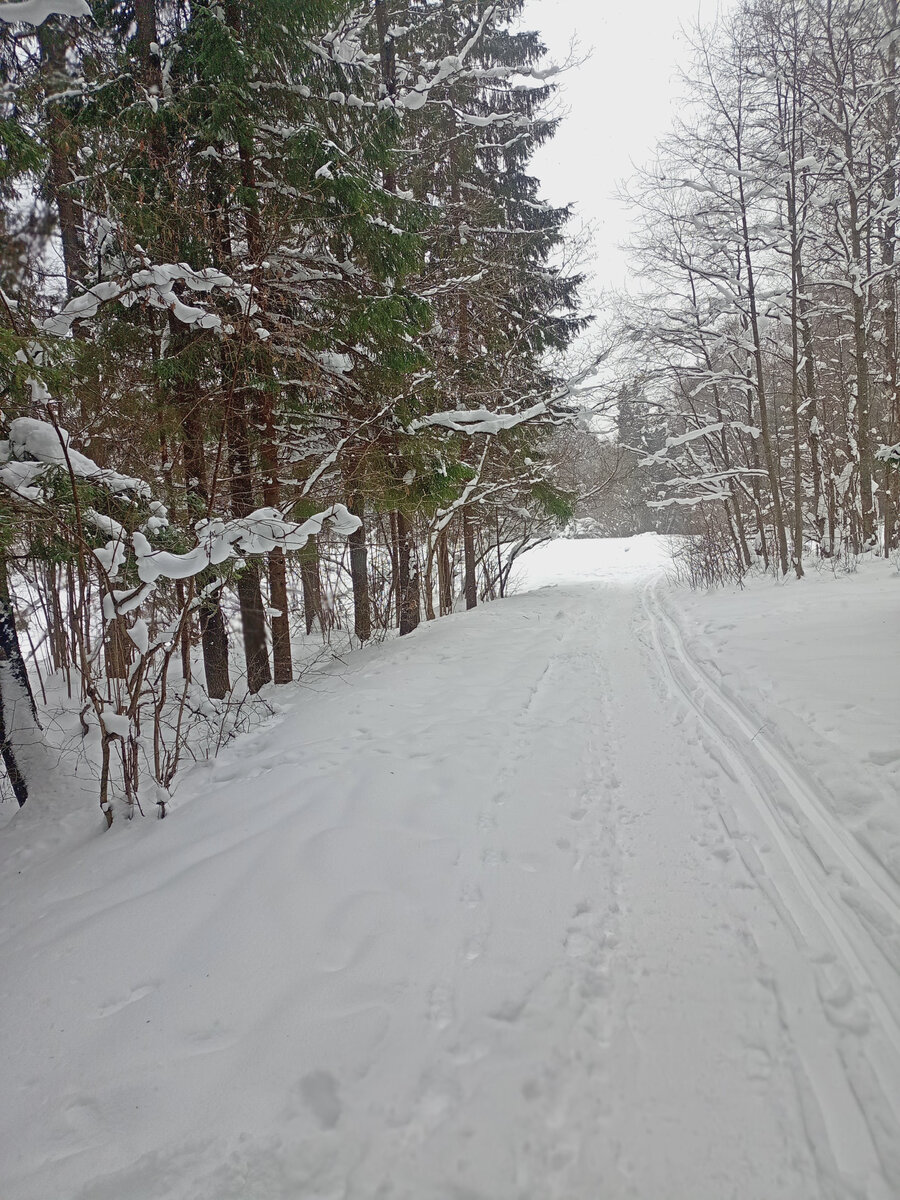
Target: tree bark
{"x": 772, "y": 466}
{"x": 312, "y": 586}
{"x": 359, "y": 572}
{"x": 282, "y": 660}
{"x": 213, "y": 638}
{"x": 213, "y": 633}
{"x": 395, "y": 567}
{"x": 253, "y": 616}
{"x": 62, "y": 143}
{"x": 891, "y": 479}
{"x": 858, "y": 269}
{"x": 797, "y": 524}
{"x": 445, "y": 575}
{"x": 471, "y": 582}
{"x": 185, "y": 639}
{"x": 407, "y": 576}
{"x": 15, "y": 691}
{"x": 118, "y": 647}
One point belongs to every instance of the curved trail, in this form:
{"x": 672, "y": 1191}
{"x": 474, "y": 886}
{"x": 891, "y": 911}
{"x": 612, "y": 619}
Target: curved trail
{"x": 515, "y": 909}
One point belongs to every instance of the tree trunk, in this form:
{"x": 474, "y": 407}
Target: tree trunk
{"x": 772, "y": 466}
{"x": 471, "y": 582}
{"x": 213, "y": 638}
{"x": 253, "y": 621}
{"x": 17, "y": 706}
{"x": 16, "y": 776}
{"x": 186, "y": 628}
{"x": 253, "y": 616}
{"x": 282, "y": 660}
{"x": 428, "y": 591}
{"x": 863, "y": 397}
{"x": 359, "y": 572}
{"x": 445, "y": 575}
{"x": 739, "y": 524}
{"x": 407, "y": 576}
{"x": 891, "y": 479}
{"x": 62, "y": 145}
{"x": 395, "y": 567}
{"x": 118, "y": 648}
{"x": 213, "y": 633}
{"x": 312, "y": 587}
{"x": 797, "y": 524}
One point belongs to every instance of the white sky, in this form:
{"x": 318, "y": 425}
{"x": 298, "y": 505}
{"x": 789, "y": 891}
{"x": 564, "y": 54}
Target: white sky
{"x": 620, "y": 101}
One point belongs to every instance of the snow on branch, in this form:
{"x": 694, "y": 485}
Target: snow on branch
{"x": 156, "y": 285}
{"x": 36, "y": 12}
{"x": 709, "y": 487}
{"x": 689, "y": 501}
{"x": 482, "y": 420}
{"x": 218, "y": 540}
{"x": 344, "y": 47}
{"x": 258, "y": 533}
{"x": 478, "y": 420}
{"x": 36, "y": 447}
{"x": 693, "y": 435}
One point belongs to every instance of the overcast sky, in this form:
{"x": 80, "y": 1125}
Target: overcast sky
{"x": 620, "y": 101}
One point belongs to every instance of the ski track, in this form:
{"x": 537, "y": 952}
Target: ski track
{"x": 857, "y": 979}
{"x": 864, "y": 870}
{"x": 543, "y": 921}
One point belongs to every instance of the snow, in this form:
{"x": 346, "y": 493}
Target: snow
{"x": 35, "y": 12}
{"x": 140, "y": 635}
{"x": 825, "y": 690}
{"x": 479, "y": 420}
{"x": 590, "y": 892}
{"x": 155, "y": 284}
{"x": 117, "y": 724}
{"x": 34, "y": 446}
{"x": 259, "y": 532}
{"x": 634, "y": 560}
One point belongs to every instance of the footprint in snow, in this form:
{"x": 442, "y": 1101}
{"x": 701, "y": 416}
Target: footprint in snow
{"x": 493, "y": 858}
{"x": 440, "y": 1006}
{"x": 470, "y": 895}
{"x": 319, "y": 1090}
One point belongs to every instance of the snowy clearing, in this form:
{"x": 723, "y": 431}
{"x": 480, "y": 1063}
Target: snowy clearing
{"x": 592, "y": 892}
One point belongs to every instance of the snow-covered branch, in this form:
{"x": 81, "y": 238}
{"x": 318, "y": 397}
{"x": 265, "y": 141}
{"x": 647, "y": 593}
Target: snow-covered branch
{"x": 36, "y": 12}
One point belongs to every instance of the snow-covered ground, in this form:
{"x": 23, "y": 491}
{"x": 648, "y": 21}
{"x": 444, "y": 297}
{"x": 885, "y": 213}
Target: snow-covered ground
{"x": 591, "y": 893}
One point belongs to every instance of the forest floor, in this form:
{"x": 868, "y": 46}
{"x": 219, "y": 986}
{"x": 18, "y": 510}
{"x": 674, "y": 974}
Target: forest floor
{"x": 590, "y": 894}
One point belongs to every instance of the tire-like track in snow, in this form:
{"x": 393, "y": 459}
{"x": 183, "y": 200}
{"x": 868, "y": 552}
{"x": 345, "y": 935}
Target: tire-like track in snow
{"x": 800, "y": 827}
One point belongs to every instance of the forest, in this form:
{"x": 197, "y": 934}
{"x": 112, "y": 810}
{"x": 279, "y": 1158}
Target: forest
{"x": 282, "y": 319}
{"x": 288, "y": 337}
{"x": 765, "y": 333}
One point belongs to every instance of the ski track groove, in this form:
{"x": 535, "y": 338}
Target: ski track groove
{"x": 813, "y": 809}
{"x": 840, "y": 924}
{"x": 871, "y": 874}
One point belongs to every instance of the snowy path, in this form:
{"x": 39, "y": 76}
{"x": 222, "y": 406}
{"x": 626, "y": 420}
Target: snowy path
{"x": 520, "y": 908}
